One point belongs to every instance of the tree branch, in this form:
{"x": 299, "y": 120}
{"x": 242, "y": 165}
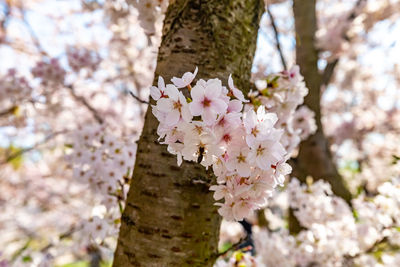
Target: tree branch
{"x": 25, "y": 150}
{"x": 8, "y": 111}
{"x": 84, "y": 102}
{"x": 137, "y": 98}
{"x": 277, "y": 43}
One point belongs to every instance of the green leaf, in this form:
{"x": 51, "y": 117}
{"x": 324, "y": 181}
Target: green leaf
{"x": 27, "y": 258}
{"x": 225, "y": 247}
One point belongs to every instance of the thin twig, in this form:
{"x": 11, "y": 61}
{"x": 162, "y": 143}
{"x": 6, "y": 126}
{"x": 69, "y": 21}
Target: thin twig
{"x": 234, "y": 247}
{"x": 137, "y": 98}
{"x": 25, "y": 150}
{"x": 84, "y": 102}
{"x": 328, "y": 72}
{"x": 278, "y": 45}
{"x": 67, "y": 234}
{"x": 8, "y": 111}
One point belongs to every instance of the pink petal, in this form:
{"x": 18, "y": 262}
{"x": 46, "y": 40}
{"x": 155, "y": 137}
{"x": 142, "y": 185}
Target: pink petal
{"x": 213, "y": 89}
{"x": 172, "y": 92}
{"x": 230, "y": 82}
{"x": 155, "y": 93}
{"x": 197, "y": 93}
{"x": 235, "y": 106}
{"x": 172, "y": 117}
{"x": 178, "y": 82}
{"x": 208, "y": 116}
{"x": 164, "y": 105}
{"x": 161, "y": 84}
{"x": 218, "y": 106}
{"x": 196, "y": 108}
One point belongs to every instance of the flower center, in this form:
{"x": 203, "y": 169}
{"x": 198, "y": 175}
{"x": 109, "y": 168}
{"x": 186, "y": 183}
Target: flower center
{"x": 260, "y": 150}
{"x": 199, "y": 129}
{"x": 227, "y": 138}
{"x": 241, "y": 158}
{"x": 254, "y": 131}
{"x": 206, "y": 102}
{"x": 177, "y": 105}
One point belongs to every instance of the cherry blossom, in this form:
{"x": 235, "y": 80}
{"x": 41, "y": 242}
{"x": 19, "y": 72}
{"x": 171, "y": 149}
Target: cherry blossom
{"x": 207, "y": 101}
{"x": 246, "y": 149}
{"x": 186, "y": 79}
{"x": 175, "y": 106}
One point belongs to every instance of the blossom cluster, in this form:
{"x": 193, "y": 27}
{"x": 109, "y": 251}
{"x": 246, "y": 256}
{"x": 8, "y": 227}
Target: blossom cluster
{"x": 79, "y": 58}
{"x": 50, "y": 72}
{"x": 243, "y": 145}
{"x": 151, "y": 14}
{"x": 283, "y": 94}
{"x": 104, "y": 163}
{"x": 13, "y": 88}
{"x": 334, "y": 234}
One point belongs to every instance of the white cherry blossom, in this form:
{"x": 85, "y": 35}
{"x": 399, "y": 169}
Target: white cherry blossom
{"x": 186, "y": 79}
{"x": 207, "y": 101}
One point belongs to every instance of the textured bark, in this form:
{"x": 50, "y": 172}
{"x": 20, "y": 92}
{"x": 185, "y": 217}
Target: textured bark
{"x": 314, "y": 158}
{"x": 170, "y": 219}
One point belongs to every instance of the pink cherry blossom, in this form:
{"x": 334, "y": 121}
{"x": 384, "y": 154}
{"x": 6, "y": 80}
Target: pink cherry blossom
{"x": 158, "y": 92}
{"x": 206, "y": 100}
{"x": 186, "y": 79}
{"x": 236, "y": 92}
{"x": 175, "y": 106}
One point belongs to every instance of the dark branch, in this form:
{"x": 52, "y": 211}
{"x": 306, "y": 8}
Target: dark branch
{"x": 328, "y": 72}
{"x": 277, "y": 43}
{"x": 137, "y": 98}
{"x": 84, "y": 102}
{"x": 8, "y": 111}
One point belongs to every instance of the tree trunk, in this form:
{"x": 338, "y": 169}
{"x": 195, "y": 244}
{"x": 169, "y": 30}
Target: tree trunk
{"x": 314, "y": 158}
{"x": 170, "y": 219}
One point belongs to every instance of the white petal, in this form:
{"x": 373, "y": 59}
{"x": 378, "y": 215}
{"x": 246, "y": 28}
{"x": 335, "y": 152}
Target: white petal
{"x": 239, "y": 95}
{"x": 172, "y": 91}
{"x": 164, "y": 105}
{"x": 178, "y": 82}
{"x": 213, "y": 89}
{"x": 161, "y": 84}
{"x": 243, "y": 169}
{"x": 208, "y": 116}
{"x": 197, "y": 93}
{"x": 172, "y": 117}
{"x": 235, "y": 106}
{"x": 230, "y": 82}
{"x": 155, "y": 93}
{"x": 219, "y": 106}
{"x": 186, "y": 115}
{"x": 196, "y": 108}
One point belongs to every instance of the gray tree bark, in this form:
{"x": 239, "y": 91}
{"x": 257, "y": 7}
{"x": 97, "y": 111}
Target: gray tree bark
{"x": 170, "y": 219}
